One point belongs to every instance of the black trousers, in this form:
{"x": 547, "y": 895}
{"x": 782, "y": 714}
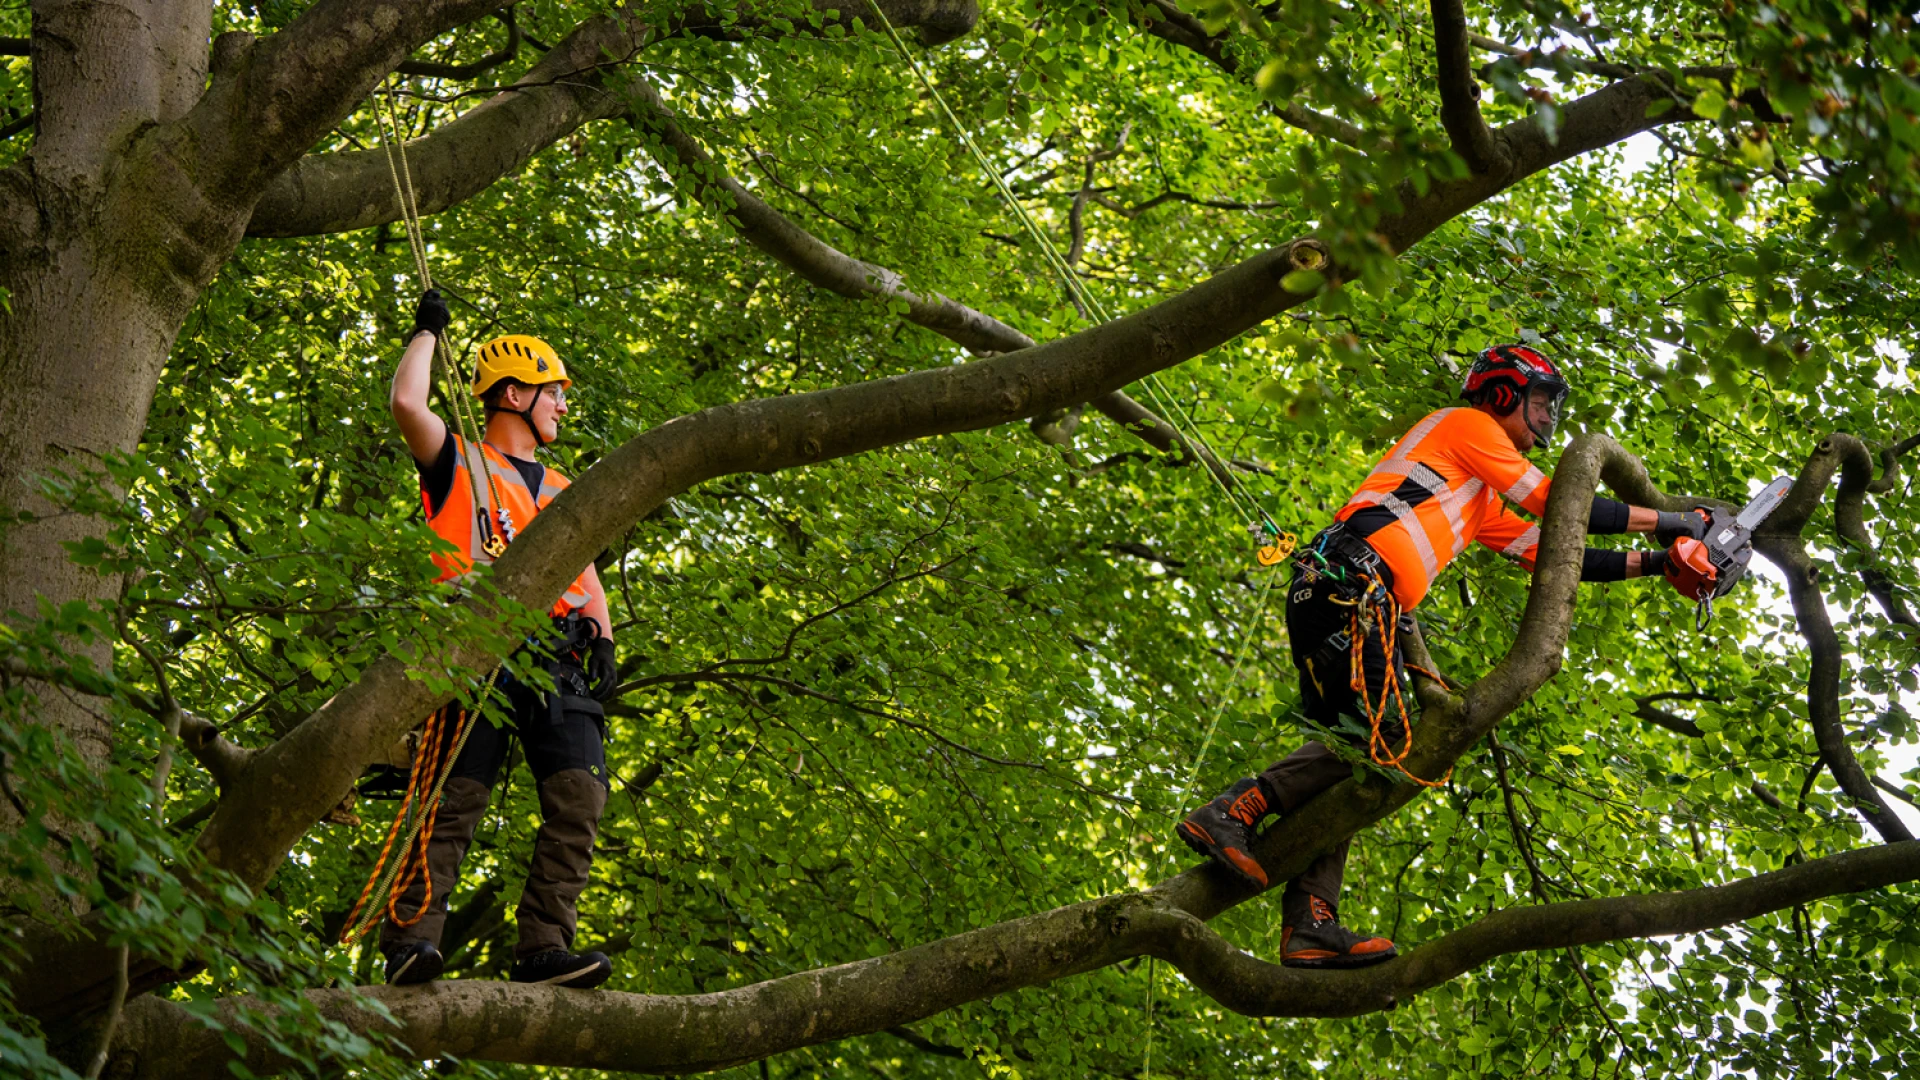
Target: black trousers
{"x": 559, "y": 732}
{"x": 1326, "y": 692}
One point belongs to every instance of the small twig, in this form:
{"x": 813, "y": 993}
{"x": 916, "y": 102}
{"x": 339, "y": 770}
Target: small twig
{"x": 1897, "y": 791}
{"x": 431, "y": 70}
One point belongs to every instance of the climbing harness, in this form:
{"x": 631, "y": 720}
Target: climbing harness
{"x": 1356, "y": 571}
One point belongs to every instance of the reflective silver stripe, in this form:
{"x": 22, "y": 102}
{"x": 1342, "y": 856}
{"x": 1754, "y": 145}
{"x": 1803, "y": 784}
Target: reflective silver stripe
{"x": 1524, "y": 486}
{"x": 1522, "y": 542}
{"x": 1410, "y": 520}
{"x": 1456, "y": 501}
{"x": 1418, "y": 434}
{"x": 1449, "y": 501}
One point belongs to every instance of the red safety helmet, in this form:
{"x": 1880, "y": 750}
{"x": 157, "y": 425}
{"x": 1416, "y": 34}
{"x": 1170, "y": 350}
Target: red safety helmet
{"x": 1502, "y": 376}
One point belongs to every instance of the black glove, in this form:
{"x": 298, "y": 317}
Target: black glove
{"x": 603, "y": 670}
{"x": 431, "y": 316}
{"x": 1670, "y": 527}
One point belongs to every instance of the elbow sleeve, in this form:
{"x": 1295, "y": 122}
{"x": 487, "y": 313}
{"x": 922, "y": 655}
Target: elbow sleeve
{"x": 1598, "y": 565}
{"x": 1607, "y": 517}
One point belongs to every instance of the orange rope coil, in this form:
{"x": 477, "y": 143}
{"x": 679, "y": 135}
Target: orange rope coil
{"x": 1378, "y": 750}
{"x": 424, "y": 785}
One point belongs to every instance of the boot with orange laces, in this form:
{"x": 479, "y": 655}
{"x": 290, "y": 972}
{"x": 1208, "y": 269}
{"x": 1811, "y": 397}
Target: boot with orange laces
{"x": 1311, "y": 936}
{"x": 1224, "y": 828}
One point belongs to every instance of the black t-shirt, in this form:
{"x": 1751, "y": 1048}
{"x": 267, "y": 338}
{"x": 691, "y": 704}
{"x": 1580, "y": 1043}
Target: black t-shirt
{"x": 437, "y": 479}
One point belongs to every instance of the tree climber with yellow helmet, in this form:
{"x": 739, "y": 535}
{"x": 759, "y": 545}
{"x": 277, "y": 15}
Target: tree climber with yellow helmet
{"x": 478, "y": 498}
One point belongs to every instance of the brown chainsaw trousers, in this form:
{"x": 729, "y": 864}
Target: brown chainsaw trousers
{"x": 565, "y": 748}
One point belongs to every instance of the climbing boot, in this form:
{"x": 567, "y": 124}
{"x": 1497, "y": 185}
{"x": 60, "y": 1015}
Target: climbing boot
{"x": 1223, "y": 829}
{"x": 558, "y": 967}
{"x": 1311, "y": 937}
{"x": 414, "y": 964}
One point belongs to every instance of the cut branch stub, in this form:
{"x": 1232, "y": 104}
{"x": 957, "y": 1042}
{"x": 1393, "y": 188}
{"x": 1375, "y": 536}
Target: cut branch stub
{"x": 1308, "y": 254}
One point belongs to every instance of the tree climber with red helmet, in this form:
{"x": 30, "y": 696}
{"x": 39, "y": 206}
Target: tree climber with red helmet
{"x": 477, "y": 498}
{"x": 1440, "y": 487}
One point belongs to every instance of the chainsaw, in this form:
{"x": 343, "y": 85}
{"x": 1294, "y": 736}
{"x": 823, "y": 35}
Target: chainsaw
{"x": 1706, "y": 569}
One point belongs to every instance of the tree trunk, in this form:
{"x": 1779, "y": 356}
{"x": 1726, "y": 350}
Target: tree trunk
{"x": 105, "y": 244}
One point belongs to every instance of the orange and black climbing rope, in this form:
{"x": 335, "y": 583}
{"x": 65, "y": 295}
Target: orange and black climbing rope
{"x": 441, "y": 740}
{"x": 1379, "y": 750}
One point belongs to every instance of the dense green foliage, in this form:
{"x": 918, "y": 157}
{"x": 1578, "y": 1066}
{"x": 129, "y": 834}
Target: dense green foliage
{"x": 880, "y": 701}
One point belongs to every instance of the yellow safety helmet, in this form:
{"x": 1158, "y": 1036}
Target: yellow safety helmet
{"x": 518, "y": 356}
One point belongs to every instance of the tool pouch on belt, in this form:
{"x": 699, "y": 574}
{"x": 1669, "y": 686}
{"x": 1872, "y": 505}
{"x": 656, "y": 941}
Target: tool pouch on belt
{"x": 576, "y": 719}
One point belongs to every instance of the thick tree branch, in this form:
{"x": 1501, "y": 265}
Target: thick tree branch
{"x": 339, "y": 192}
{"x": 271, "y": 99}
{"x": 1459, "y": 95}
{"x": 509, "y": 1022}
{"x": 223, "y": 759}
{"x": 579, "y": 81}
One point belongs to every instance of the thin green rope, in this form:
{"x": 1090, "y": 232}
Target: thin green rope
{"x": 1076, "y": 287}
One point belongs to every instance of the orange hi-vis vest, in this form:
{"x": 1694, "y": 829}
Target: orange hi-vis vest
{"x": 1440, "y": 487}
{"x": 513, "y": 507}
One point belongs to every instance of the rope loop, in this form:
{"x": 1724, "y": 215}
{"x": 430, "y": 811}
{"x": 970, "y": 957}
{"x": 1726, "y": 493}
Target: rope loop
{"x": 1379, "y": 750}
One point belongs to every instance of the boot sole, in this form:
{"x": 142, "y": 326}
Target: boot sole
{"x": 399, "y": 978}
{"x": 1342, "y": 963}
{"x": 1203, "y": 845}
{"x": 597, "y": 974}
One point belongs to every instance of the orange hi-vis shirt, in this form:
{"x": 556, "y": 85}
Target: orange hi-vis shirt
{"x": 460, "y": 526}
{"x": 1440, "y": 487}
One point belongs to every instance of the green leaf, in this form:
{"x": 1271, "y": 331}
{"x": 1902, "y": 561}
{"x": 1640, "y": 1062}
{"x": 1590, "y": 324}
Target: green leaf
{"x": 1303, "y": 282}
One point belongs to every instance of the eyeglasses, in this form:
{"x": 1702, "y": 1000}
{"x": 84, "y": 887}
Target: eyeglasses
{"x": 557, "y": 392}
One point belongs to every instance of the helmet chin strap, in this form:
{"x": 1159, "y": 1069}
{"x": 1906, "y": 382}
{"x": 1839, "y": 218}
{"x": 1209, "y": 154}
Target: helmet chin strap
{"x": 526, "y": 414}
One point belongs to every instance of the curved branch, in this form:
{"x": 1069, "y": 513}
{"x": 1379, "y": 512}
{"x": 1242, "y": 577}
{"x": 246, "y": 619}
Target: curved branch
{"x": 652, "y": 1033}
{"x": 1448, "y": 723}
{"x": 1459, "y": 96}
{"x": 1783, "y": 545}
{"x": 511, "y": 49}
